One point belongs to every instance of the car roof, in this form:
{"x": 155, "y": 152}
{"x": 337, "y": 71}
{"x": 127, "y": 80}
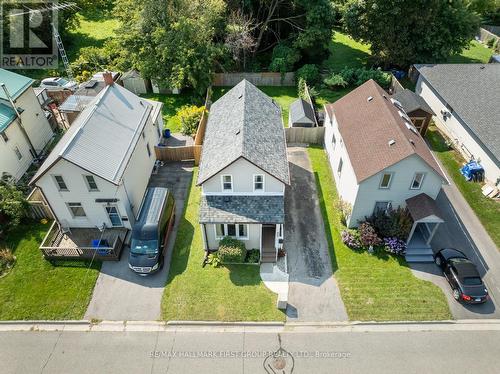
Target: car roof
{"x": 466, "y": 269}
{"x": 51, "y": 79}
{"x": 448, "y": 253}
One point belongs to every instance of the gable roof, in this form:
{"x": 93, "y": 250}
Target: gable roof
{"x": 368, "y": 122}
{"x": 7, "y": 116}
{"x": 244, "y": 123}
{"x": 411, "y": 101}
{"x": 16, "y": 84}
{"x": 103, "y": 137}
{"x": 301, "y": 110}
{"x": 422, "y": 206}
{"x": 473, "y": 92}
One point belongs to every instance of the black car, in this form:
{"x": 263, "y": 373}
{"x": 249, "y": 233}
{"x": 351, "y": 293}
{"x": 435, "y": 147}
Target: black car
{"x": 462, "y": 275}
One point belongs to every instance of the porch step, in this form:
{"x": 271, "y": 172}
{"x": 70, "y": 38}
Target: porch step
{"x": 268, "y": 257}
{"x": 419, "y": 251}
{"x": 419, "y": 255}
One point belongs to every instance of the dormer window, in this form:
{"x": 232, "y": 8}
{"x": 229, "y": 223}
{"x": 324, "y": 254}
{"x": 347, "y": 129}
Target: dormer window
{"x": 227, "y": 183}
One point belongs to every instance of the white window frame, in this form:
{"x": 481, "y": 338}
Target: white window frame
{"x": 334, "y": 139}
{"x": 237, "y": 231}
{"x": 85, "y": 177}
{"x": 340, "y": 167}
{"x": 388, "y": 184}
{"x": 69, "y": 205}
{"x": 263, "y": 183}
{"x": 222, "y": 182}
{"x": 18, "y": 153}
{"x": 57, "y": 183}
{"x": 389, "y": 203}
{"x": 421, "y": 181}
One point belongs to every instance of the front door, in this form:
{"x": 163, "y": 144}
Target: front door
{"x": 114, "y": 216}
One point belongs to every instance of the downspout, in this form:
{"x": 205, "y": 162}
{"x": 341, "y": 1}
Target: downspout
{"x": 23, "y": 130}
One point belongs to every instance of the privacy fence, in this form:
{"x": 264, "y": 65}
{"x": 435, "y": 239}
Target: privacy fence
{"x": 38, "y": 206}
{"x": 305, "y": 135}
{"x": 258, "y": 79}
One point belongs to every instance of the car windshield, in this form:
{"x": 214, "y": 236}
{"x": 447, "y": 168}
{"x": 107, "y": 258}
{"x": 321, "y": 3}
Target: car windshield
{"x": 472, "y": 281}
{"x": 144, "y": 247}
{"x": 62, "y": 82}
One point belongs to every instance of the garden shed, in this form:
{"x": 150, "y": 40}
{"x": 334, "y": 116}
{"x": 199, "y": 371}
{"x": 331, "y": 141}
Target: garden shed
{"x": 133, "y": 82}
{"x": 301, "y": 114}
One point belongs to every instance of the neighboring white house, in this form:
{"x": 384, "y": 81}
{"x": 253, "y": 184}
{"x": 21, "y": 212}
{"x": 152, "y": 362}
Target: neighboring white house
{"x": 98, "y": 173}
{"x": 243, "y": 172}
{"x": 378, "y": 158}
{"x": 24, "y": 128}
{"x": 466, "y": 100}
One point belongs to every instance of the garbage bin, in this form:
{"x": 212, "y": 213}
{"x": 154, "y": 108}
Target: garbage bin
{"x": 166, "y": 133}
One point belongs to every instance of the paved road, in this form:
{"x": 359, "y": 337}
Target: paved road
{"x": 463, "y": 230}
{"x": 120, "y": 294}
{"x": 198, "y": 351}
{"x": 313, "y": 291}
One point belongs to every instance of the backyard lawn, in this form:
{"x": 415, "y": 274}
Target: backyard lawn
{"x": 477, "y": 53}
{"x": 487, "y": 210}
{"x": 35, "y": 289}
{"x": 345, "y": 51}
{"x": 172, "y": 103}
{"x": 233, "y": 293}
{"x": 377, "y": 287}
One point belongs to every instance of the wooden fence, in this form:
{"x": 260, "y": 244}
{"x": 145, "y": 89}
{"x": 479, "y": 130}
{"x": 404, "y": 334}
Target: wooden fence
{"x": 259, "y": 79}
{"x": 39, "y": 208}
{"x": 305, "y": 135}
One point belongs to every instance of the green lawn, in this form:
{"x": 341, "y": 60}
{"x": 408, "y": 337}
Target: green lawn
{"x": 35, "y": 289}
{"x": 171, "y": 104}
{"x": 477, "y": 53}
{"x": 345, "y": 51}
{"x": 487, "y": 210}
{"x": 374, "y": 287}
{"x": 233, "y": 293}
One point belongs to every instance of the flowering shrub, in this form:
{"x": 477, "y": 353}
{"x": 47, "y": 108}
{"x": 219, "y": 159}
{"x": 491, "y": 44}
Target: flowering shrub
{"x": 395, "y": 245}
{"x": 231, "y": 250}
{"x": 368, "y": 235}
{"x": 351, "y": 239}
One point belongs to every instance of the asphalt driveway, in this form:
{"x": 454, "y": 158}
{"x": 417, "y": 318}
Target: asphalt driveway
{"x": 313, "y": 291}
{"x": 120, "y": 294}
{"x": 463, "y": 230}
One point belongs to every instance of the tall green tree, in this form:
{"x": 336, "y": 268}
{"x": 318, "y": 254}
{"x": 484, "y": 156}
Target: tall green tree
{"x": 404, "y": 32}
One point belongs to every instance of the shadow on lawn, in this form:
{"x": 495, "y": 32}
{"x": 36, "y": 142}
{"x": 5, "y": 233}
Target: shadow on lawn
{"x": 244, "y": 275}
{"x": 343, "y": 55}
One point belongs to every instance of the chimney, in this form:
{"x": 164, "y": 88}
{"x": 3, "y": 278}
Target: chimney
{"x": 108, "y": 78}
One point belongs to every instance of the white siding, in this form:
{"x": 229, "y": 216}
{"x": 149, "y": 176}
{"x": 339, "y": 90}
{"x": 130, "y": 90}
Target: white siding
{"x": 242, "y": 172}
{"x": 39, "y": 132}
{"x": 403, "y": 172}
{"x": 253, "y": 241}
{"x": 347, "y": 184}
{"x": 456, "y": 130}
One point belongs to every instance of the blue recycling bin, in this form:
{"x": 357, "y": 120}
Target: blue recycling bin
{"x": 101, "y": 246}
{"x": 473, "y": 171}
{"x": 166, "y": 133}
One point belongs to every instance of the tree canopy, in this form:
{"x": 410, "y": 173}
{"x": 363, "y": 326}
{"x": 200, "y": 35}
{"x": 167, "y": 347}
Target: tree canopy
{"x": 404, "y": 32}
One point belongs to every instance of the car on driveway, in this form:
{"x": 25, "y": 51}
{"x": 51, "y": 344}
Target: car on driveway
{"x": 57, "y": 83}
{"x": 462, "y": 275}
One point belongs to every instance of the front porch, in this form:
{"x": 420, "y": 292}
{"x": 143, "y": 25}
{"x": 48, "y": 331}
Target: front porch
{"x": 426, "y": 220}
{"x": 83, "y": 243}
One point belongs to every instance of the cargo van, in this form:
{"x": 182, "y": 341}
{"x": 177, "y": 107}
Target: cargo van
{"x": 151, "y": 231}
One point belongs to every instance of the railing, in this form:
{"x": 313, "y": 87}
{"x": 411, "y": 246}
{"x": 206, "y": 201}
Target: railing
{"x": 51, "y": 250}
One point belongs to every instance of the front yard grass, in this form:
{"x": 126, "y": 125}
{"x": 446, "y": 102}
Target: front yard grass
{"x": 228, "y": 293}
{"x": 487, "y": 210}
{"x": 373, "y": 287}
{"x": 35, "y": 289}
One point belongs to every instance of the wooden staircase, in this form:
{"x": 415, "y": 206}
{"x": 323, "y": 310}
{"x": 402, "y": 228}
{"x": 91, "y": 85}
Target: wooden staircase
{"x": 418, "y": 250}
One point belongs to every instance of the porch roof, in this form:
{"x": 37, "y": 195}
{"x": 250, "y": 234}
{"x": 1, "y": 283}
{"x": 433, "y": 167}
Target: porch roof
{"x": 424, "y": 209}
{"x": 242, "y": 209}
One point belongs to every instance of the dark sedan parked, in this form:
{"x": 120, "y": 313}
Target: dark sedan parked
{"x": 462, "y": 275}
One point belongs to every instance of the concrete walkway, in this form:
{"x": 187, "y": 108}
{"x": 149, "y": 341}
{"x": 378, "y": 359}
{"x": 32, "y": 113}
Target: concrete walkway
{"x": 121, "y": 294}
{"x": 313, "y": 291}
{"x": 463, "y": 230}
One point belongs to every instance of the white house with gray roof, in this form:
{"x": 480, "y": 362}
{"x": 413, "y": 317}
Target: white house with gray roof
{"x": 97, "y": 174}
{"x": 466, "y": 100}
{"x": 24, "y": 128}
{"x": 244, "y": 171}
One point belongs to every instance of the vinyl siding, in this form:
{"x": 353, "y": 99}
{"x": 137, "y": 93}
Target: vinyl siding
{"x": 253, "y": 242}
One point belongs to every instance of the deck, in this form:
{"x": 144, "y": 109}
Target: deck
{"x": 77, "y": 244}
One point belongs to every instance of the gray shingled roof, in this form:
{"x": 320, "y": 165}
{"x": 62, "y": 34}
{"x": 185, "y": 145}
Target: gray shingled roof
{"x": 473, "y": 92}
{"x": 411, "y": 101}
{"x": 246, "y": 123}
{"x": 301, "y": 112}
{"x": 103, "y": 137}
{"x": 242, "y": 209}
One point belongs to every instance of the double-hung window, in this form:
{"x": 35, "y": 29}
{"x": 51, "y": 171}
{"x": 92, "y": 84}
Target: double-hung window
{"x": 234, "y": 230}
{"x": 258, "y": 183}
{"x": 148, "y": 149}
{"x": 61, "y": 184}
{"x": 76, "y": 210}
{"x": 385, "y": 181}
{"x": 417, "y": 181}
{"x": 18, "y": 153}
{"x": 227, "y": 183}
{"x": 382, "y": 206}
{"x": 91, "y": 183}
{"x": 339, "y": 168}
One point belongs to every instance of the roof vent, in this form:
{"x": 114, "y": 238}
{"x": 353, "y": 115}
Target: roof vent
{"x": 392, "y": 142}
{"x": 412, "y": 142}
{"x": 370, "y": 98}
{"x": 239, "y": 97}
{"x": 237, "y": 132}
